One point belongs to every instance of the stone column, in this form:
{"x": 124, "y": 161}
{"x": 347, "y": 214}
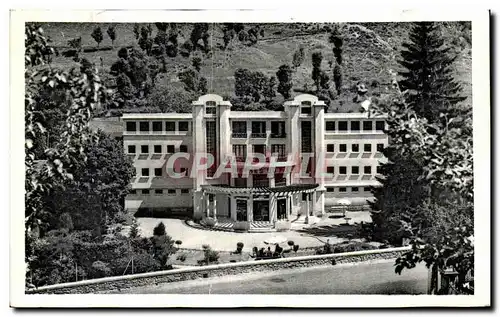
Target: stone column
{"x": 250, "y": 208}
{"x": 307, "y": 208}
{"x": 293, "y": 128}
{"x": 214, "y": 204}
{"x": 233, "y": 209}
{"x": 273, "y": 209}
{"x": 207, "y": 204}
{"x": 318, "y": 205}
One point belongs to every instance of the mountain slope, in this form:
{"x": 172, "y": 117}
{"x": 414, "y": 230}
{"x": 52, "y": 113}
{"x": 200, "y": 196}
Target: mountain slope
{"x": 370, "y": 53}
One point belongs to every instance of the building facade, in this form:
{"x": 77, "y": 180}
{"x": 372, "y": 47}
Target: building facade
{"x": 274, "y": 165}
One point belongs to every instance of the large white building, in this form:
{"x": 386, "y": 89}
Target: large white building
{"x": 300, "y": 145}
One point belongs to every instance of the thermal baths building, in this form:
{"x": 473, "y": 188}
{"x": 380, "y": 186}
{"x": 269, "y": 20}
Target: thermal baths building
{"x": 299, "y": 145}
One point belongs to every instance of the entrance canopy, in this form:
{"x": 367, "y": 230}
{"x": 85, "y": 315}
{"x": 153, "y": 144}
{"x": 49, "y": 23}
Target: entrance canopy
{"x": 278, "y": 190}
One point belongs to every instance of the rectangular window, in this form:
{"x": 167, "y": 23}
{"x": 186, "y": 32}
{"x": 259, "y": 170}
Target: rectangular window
{"x": 170, "y": 149}
{"x": 144, "y": 149}
{"x": 354, "y": 125}
{"x": 278, "y": 150}
{"x": 170, "y": 126}
{"x": 367, "y": 169}
{"x": 367, "y": 125}
{"x": 342, "y": 170}
{"x": 306, "y": 108}
{"x": 145, "y": 172}
{"x": 133, "y": 192}
{"x": 210, "y": 107}
{"x": 240, "y": 152}
{"x": 144, "y": 126}
{"x": 342, "y": 125}
{"x": 258, "y": 129}
{"x": 330, "y": 148}
{"x": 306, "y": 141}
{"x": 171, "y": 192}
{"x": 158, "y": 191}
{"x": 145, "y": 191}
{"x": 366, "y": 189}
{"x": 330, "y": 169}
{"x": 157, "y": 149}
{"x": 239, "y": 129}
{"x": 330, "y": 126}
{"x": 157, "y": 172}
{"x": 355, "y": 170}
{"x": 184, "y": 191}
{"x": 379, "y": 125}
{"x": 342, "y": 189}
{"x": 278, "y": 129}
{"x": 343, "y": 148}
{"x": 355, "y": 189}
{"x": 380, "y": 147}
{"x": 131, "y": 127}
{"x": 184, "y": 126}
{"x": 183, "y": 149}
{"x": 211, "y": 141}
{"x": 367, "y": 148}
{"x": 330, "y": 189}
{"x": 240, "y": 182}
{"x": 131, "y": 149}
{"x": 259, "y": 148}
{"x": 157, "y": 126}
{"x": 355, "y": 148}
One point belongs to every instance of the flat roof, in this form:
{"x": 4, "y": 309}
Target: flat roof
{"x": 149, "y": 116}
{"x": 258, "y": 114}
{"x": 351, "y": 115}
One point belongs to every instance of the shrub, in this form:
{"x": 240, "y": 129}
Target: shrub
{"x": 210, "y": 256}
{"x": 205, "y": 246}
{"x": 352, "y": 247}
{"x": 290, "y": 243}
{"x": 99, "y": 269}
{"x": 178, "y": 242}
{"x": 295, "y": 248}
{"x": 159, "y": 230}
{"x": 181, "y": 257}
{"x": 239, "y": 247}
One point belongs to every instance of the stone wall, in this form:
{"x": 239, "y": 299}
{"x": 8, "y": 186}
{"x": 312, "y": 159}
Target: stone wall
{"x": 192, "y": 273}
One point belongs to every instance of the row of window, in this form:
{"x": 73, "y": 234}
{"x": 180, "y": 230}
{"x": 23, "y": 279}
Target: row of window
{"x": 171, "y": 192}
{"x": 354, "y": 189}
{"x": 157, "y": 149}
{"x": 158, "y": 126}
{"x": 367, "y": 148}
{"x": 342, "y": 170}
{"x": 354, "y": 125}
{"x": 258, "y": 127}
{"x": 158, "y": 172}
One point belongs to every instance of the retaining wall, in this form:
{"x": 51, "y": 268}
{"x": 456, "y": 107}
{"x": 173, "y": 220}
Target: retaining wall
{"x": 192, "y": 273}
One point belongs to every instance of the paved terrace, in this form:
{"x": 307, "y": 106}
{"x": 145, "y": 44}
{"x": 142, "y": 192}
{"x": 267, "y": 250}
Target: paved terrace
{"x": 304, "y": 236}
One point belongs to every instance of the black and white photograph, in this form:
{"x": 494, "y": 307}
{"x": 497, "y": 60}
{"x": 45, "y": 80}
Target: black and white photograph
{"x": 198, "y": 153}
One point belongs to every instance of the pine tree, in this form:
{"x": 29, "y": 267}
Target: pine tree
{"x": 284, "y": 75}
{"x": 428, "y": 76}
{"x": 317, "y": 58}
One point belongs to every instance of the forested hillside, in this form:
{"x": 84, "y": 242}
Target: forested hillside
{"x": 167, "y": 70}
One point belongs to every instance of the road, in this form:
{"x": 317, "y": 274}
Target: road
{"x": 361, "y": 278}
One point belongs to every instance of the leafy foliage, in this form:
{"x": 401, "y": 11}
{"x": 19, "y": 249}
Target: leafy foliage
{"x": 97, "y": 35}
{"x": 298, "y": 57}
{"x": 111, "y": 31}
{"x": 284, "y": 75}
{"x": 427, "y": 193}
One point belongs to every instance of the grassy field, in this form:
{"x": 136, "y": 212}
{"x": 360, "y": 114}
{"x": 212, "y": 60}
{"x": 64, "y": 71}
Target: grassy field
{"x": 370, "y": 53}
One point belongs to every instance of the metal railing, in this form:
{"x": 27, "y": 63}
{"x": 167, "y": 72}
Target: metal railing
{"x": 259, "y": 135}
{"x": 239, "y": 135}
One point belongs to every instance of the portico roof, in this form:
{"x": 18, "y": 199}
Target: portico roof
{"x": 279, "y": 190}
